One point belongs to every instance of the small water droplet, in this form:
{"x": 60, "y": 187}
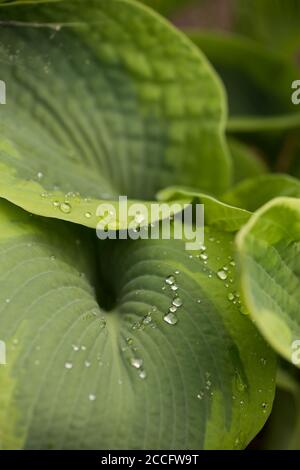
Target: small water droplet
{"x": 7, "y": 301}
{"x": 230, "y": 296}
{"x": 264, "y": 406}
{"x": 87, "y": 363}
{"x": 39, "y": 175}
{"x": 75, "y": 347}
{"x": 222, "y": 274}
{"x": 174, "y": 287}
{"x": 199, "y": 301}
{"x": 68, "y": 365}
{"x": 142, "y": 374}
{"x": 173, "y": 309}
{"x": 92, "y": 397}
{"x": 88, "y": 215}
{"x": 55, "y": 203}
{"x": 65, "y": 207}
{"x": 170, "y": 318}
{"x": 204, "y": 256}
{"x": 177, "y": 272}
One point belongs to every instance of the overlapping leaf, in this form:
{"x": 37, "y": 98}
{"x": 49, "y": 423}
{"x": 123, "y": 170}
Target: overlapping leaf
{"x": 269, "y": 255}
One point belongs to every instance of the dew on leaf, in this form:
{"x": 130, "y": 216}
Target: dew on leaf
{"x": 222, "y": 274}
{"x": 170, "y": 280}
{"x": 177, "y": 302}
{"x": 142, "y": 374}
{"x": 170, "y": 318}
{"x": 65, "y": 207}
{"x": 136, "y": 363}
{"x": 68, "y": 365}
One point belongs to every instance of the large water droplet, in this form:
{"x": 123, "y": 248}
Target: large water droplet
{"x": 177, "y": 302}
{"x": 136, "y": 363}
{"x": 222, "y": 274}
{"x": 170, "y": 280}
{"x": 65, "y": 207}
{"x": 170, "y": 318}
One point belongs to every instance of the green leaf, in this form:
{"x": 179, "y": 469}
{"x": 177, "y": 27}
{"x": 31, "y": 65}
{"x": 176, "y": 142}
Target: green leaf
{"x": 256, "y": 103}
{"x": 107, "y": 99}
{"x": 268, "y": 247}
{"x": 255, "y": 192}
{"x": 91, "y": 362}
{"x": 247, "y": 163}
{"x": 217, "y": 213}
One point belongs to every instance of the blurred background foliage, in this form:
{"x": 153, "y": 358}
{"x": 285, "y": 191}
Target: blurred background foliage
{"x": 255, "y": 47}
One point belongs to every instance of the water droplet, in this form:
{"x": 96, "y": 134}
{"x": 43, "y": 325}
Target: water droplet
{"x": 7, "y": 301}
{"x": 230, "y": 296}
{"x": 263, "y": 361}
{"x": 55, "y": 203}
{"x": 222, "y": 274}
{"x": 65, "y": 207}
{"x": 173, "y": 309}
{"x": 204, "y": 256}
{"x": 170, "y": 318}
{"x": 129, "y": 341}
{"x": 68, "y": 365}
{"x": 75, "y": 347}
{"x": 198, "y": 301}
{"x": 87, "y": 363}
{"x": 92, "y": 397}
{"x": 170, "y": 280}
{"x": 232, "y": 263}
{"x": 88, "y": 215}
{"x": 177, "y": 272}
{"x": 264, "y": 406}
{"x": 177, "y": 302}
{"x": 39, "y": 175}
{"x": 83, "y": 348}
{"x": 136, "y": 363}
{"x": 174, "y": 287}
{"x": 142, "y": 374}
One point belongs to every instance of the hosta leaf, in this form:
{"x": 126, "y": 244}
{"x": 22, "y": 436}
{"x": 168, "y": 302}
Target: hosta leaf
{"x": 246, "y": 161}
{"x": 255, "y": 192}
{"x": 255, "y": 102}
{"x": 91, "y": 361}
{"x": 268, "y": 248}
{"x": 217, "y": 213}
{"x": 104, "y": 98}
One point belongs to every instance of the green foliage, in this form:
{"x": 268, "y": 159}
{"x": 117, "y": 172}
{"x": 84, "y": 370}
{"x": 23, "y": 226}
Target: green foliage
{"x": 139, "y": 344}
